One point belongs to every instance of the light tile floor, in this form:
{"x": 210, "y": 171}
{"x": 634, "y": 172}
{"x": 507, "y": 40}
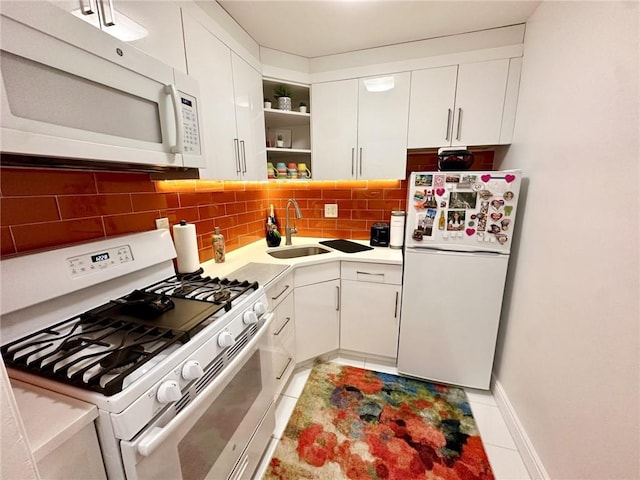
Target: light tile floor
{"x": 503, "y": 454}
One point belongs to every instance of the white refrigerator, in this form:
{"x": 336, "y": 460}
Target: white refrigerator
{"x": 459, "y": 228}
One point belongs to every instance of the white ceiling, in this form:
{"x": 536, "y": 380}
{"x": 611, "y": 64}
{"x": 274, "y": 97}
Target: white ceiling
{"x": 316, "y": 28}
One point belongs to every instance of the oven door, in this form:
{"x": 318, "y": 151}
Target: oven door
{"x": 222, "y": 433}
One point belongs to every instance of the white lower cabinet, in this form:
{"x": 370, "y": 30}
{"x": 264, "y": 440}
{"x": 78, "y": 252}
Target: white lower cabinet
{"x": 282, "y": 331}
{"x": 370, "y": 308}
{"x": 317, "y": 310}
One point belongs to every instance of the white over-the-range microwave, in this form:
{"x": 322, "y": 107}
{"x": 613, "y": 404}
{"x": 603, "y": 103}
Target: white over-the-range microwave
{"x": 69, "y": 91}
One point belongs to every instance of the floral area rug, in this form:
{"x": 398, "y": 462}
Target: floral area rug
{"x": 351, "y": 423}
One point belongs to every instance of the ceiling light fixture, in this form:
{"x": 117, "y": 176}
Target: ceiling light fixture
{"x": 380, "y": 84}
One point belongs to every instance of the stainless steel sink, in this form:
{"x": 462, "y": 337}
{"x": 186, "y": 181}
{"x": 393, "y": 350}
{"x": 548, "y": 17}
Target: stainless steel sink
{"x": 295, "y": 252}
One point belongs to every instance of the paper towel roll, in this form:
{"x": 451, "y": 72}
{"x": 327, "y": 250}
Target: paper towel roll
{"x": 184, "y": 237}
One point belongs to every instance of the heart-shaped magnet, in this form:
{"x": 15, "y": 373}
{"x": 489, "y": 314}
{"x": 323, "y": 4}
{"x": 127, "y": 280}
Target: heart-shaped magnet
{"x": 440, "y": 191}
{"x": 509, "y": 178}
{"x": 470, "y": 231}
{"x": 485, "y": 178}
{"x": 502, "y": 238}
{"x": 497, "y": 204}
{"x": 496, "y": 216}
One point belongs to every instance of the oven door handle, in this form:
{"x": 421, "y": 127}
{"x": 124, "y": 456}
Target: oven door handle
{"x": 154, "y": 438}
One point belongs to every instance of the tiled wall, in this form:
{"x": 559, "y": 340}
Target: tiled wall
{"x": 45, "y": 208}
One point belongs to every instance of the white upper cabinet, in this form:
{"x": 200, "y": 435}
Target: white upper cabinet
{"x": 153, "y": 27}
{"x": 468, "y": 104}
{"x": 359, "y": 128}
{"x": 231, "y": 98}
{"x": 249, "y": 119}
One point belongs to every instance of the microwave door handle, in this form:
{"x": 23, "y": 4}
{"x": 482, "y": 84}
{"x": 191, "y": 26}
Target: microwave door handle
{"x": 177, "y": 112}
{"x": 151, "y": 440}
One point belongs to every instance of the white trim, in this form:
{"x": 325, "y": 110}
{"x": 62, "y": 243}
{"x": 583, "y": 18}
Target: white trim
{"x": 530, "y": 457}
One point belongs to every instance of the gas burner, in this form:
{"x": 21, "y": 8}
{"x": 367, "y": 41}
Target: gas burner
{"x": 117, "y": 361}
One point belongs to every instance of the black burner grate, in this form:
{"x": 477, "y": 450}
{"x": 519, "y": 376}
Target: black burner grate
{"x": 100, "y": 348}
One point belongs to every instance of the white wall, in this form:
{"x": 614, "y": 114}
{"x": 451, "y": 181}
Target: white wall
{"x": 568, "y": 356}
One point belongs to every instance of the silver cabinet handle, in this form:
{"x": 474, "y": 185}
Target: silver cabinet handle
{"x": 353, "y": 171}
{"x": 88, "y": 8}
{"x": 448, "y": 123}
{"x": 360, "y": 161}
{"x": 358, "y": 272}
{"x": 177, "y": 112}
{"x": 237, "y": 150}
{"x": 112, "y": 16}
{"x": 280, "y": 294}
{"x": 395, "y": 311}
{"x": 244, "y": 156}
{"x": 459, "y": 123}
{"x": 338, "y": 298}
{"x": 282, "y": 327}
{"x": 285, "y": 369}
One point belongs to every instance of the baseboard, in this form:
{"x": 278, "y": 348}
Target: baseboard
{"x": 528, "y": 453}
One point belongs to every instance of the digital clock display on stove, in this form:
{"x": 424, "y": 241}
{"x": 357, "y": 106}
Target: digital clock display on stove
{"x": 100, "y": 257}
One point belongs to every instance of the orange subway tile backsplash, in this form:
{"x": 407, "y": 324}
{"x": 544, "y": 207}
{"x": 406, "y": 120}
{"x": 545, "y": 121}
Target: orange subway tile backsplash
{"x": 47, "y": 208}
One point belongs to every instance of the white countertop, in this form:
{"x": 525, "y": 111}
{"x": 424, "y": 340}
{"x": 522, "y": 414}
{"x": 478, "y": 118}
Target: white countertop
{"x": 50, "y": 419}
{"x": 257, "y": 252}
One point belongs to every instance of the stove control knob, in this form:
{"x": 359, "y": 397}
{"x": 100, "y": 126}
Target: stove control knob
{"x": 260, "y": 309}
{"x": 192, "y": 370}
{"x": 225, "y": 339}
{"x": 169, "y": 391}
{"x": 249, "y": 317}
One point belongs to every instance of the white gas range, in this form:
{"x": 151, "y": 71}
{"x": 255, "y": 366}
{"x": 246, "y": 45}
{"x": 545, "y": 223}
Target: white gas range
{"x": 179, "y": 366}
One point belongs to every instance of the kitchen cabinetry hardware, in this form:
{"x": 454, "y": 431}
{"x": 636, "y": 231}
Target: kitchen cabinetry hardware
{"x": 353, "y": 171}
{"x": 286, "y": 287}
{"x": 87, "y": 8}
{"x": 395, "y": 314}
{"x": 244, "y": 157}
{"x": 448, "y": 124}
{"x": 109, "y": 21}
{"x": 279, "y": 377}
{"x": 360, "y": 161}
{"x": 459, "y": 123}
{"x": 369, "y": 273}
{"x": 338, "y": 298}
{"x": 236, "y": 146}
{"x": 283, "y": 326}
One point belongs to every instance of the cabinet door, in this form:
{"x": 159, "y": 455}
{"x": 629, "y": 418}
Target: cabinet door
{"x": 431, "y": 107}
{"x": 317, "y": 318}
{"x": 382, "y": 128}
{"x": 209, "y": 61}
{"x": 334, "y": 130}
{"x": 284, "y": 342}
{"x": 369, "y": 318}
{"x": 479, "y": 102}
{"x": 247, "y": 84}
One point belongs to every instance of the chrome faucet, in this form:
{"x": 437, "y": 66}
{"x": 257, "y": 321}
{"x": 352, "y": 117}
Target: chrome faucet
{"x": 290, "y": 231}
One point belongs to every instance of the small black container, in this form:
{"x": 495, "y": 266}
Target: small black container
{"x": 450, "y": 160}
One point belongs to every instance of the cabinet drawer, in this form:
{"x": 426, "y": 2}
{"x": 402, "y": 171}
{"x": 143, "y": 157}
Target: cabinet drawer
{"x": 372, "y": 272}
{"x": 279, "y": 290}
{"x": 316, "y": 274}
